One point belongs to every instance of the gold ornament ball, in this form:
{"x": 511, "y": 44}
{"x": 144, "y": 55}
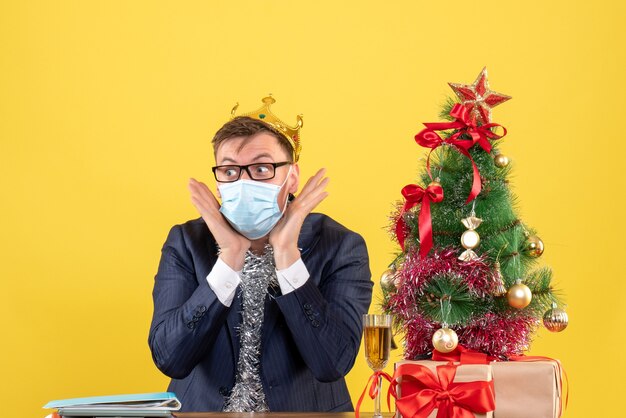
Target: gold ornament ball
{"x": 388, "y": 280}
{"x": 445, "y": 340}
{"x": 501, "y": 160}
{"x": 555, "y": 320}
{"x": 519, "y": 296}
{"x": 470, "y": 239}
{"x": 534, "y": 246}
{"x": 434, "y": 183}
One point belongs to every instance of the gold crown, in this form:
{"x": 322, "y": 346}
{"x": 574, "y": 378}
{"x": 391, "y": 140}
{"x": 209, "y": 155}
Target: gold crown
{"x": 265, "y": 115}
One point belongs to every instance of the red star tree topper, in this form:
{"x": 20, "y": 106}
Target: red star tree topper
{"x": 478, "y": 98}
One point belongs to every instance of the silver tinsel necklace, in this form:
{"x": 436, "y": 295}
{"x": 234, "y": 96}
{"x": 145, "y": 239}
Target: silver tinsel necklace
{"x": 258, "y": 273}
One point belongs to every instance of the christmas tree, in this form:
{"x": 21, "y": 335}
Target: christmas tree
{"x": 467, "y": 272}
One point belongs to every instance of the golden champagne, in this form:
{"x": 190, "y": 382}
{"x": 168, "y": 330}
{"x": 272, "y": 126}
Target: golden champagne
{"x": 377, "y": 346}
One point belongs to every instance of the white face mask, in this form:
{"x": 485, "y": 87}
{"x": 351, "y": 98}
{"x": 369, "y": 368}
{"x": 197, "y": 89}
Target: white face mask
{"x": 251, "y": 207}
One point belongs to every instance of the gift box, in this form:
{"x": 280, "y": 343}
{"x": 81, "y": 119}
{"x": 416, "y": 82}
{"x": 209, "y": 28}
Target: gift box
{"x": 527, "y": 388}
{"x": 443, "y": 385}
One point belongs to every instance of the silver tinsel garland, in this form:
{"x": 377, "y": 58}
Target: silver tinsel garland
{"x": 258, "y": 273}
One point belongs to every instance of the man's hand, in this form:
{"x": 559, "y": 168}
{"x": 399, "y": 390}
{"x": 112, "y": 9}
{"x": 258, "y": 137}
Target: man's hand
{"x": 284, "y": 236}
{"x": 233, "y": 246}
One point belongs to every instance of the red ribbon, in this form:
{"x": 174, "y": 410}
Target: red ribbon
{"x": 452, "y": 400}
{"x": 463, "y": 355}
{"x": 464, "y": 125}
{"x": 414, "y": 195}
{"x": 374, "y": 390}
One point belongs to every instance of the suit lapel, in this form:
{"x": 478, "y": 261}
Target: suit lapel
{"x": 307, "y": 239}
{"x": 269, "y": 317}
{"x": 234, "y": 321}
{"x": 308, "y": 235}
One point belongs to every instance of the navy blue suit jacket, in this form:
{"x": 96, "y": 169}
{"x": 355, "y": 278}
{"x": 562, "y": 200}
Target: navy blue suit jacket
{"x": 310, "y": 339}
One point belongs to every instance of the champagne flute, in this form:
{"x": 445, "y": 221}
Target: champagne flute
{"x": 377, "y": 336}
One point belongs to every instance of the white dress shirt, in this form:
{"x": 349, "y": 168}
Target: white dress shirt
{"x": 223, "y": 280}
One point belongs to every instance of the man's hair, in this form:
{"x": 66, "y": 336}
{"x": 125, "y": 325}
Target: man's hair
{"x": 244, "y": 126}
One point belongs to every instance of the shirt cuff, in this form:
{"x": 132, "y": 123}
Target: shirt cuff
{"x": 223, "y": 280}
{"x": 292, "y": 277}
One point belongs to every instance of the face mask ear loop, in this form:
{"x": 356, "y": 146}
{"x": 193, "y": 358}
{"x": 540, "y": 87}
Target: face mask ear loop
{"x": 283, "y": 185}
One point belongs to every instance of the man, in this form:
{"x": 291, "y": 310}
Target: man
{"x": 258, "y": 304}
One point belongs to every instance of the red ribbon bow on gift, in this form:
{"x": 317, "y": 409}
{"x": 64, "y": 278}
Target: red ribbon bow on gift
{"x": 452, "y": 400}
{"x": 464, "y": 125}
{"x": 414, "y": 195}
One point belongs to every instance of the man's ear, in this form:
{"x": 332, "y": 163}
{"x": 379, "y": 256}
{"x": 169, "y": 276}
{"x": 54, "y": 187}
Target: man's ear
{"x": 294, "y": 179}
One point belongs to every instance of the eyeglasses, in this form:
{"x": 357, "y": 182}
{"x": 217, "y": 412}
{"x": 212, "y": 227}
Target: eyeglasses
{"x": 258, "y": 171}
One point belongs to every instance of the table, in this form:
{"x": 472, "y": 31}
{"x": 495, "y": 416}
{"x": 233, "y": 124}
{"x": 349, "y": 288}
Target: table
{"x": 277, "y": 414}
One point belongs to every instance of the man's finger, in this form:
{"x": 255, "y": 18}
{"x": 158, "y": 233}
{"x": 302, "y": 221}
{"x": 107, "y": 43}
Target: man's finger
{"x": 201, "y": 191}
{"x": 313, "y": 201}
{"x": 313, "y": 180}
{"x": 314, "y": 191}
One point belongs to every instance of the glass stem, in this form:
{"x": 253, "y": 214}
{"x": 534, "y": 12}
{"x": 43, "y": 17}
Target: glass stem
{"x": 379, "y": 384}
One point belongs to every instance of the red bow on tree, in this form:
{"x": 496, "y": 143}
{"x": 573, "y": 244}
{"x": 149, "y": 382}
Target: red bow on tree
{"x": 452, "y": 400}
{"x": 480, "y": 135}
{"x": 463, "y": 355}
{"x": 415, "y": 195}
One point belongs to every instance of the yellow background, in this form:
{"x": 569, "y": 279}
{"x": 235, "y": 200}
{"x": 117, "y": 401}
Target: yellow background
{"x": 108, "y": 107}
